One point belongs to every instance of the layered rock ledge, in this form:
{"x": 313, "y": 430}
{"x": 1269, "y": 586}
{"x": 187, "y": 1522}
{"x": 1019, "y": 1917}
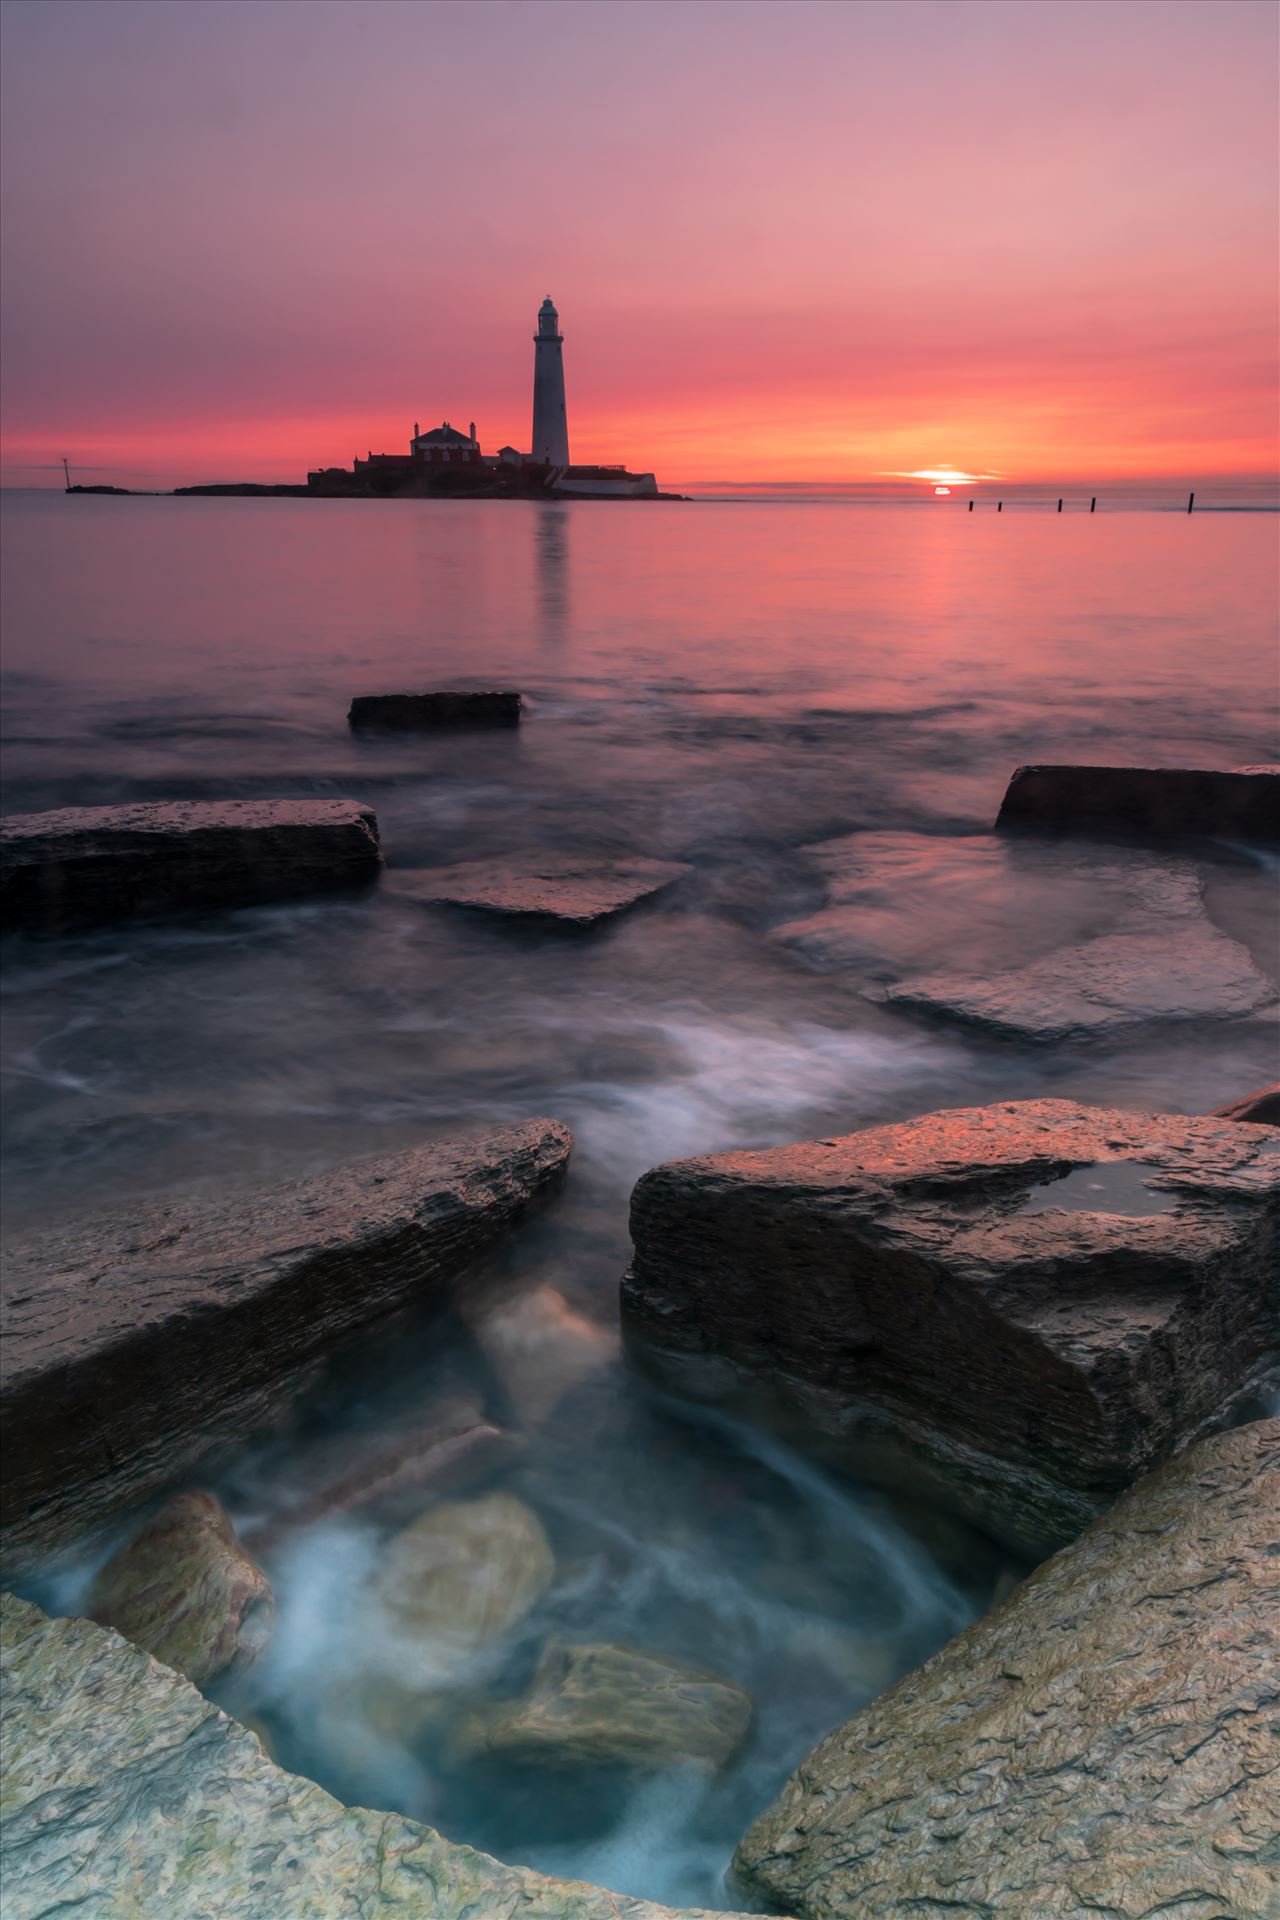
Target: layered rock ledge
{"x": 127, "y": 1792}
{"x": 134, "y": 1341}
{"x": 1022, "y": 1306}
{"x": 1100, "y": 1744}
{"x": 79, "y": 866}
{"x": 1244, "y": 802}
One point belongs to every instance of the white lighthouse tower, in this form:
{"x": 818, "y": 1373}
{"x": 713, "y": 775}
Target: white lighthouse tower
{"x": 550, "y": 426}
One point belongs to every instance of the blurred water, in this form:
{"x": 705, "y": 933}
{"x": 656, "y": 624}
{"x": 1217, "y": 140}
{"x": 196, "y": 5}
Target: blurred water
{"x": 725, "y": 685}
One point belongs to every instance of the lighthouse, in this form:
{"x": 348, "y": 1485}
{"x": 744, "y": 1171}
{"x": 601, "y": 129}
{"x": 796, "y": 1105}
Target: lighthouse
{"x": 550, "y": 426}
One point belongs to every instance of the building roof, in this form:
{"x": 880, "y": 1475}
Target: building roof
{"x": 443, "y": 436}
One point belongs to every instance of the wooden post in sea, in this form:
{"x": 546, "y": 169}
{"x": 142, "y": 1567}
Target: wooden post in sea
{"x": 66, "y": 469}
{"x": 1191, "y": 500}
{"x": 1093, "y": 504}
{"x": 1059, "y": 503}
{"x": 999, "y": 506}
{"x": 971, "y": 503}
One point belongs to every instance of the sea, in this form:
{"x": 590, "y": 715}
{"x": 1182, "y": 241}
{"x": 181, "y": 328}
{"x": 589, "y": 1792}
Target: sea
{"x": 733, "y": 684}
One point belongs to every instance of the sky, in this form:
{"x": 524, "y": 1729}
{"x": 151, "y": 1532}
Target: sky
{"x": 789, "y": 239}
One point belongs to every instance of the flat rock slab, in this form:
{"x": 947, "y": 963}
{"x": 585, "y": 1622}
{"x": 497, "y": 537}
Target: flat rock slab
{"x": 133, "y": 1341}
{"x": 1098, "y": 1745}
{"x": 128, "y": 1793}
{"x": 1106, "y": 937}
{"x": 425, "y": 712}
{"x": 79, "y": 866}
{"x": 1024, "y": 1305}
{"x": 579, "y": 889}
{"x": 1243, "y": 803}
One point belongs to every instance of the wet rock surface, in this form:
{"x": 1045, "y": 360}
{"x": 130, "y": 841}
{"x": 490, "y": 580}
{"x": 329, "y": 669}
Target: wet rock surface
{"x": 184, "y": 1589}
{"x": 467, "y": 1572}
{"x": 1112, "y": 938}
{"x": 77, "y": 866}
{"x": 920, "y": 1297}
{"x": 1099, "y": 1744}
{"x": 616, "y": 1706}
{"x": 127, "y": 1791}
{"x": 133, "y": 1341}
{"x": 1146, "y": 800}
{"x": 578, "y": 890}
{"x": 1262, "y": 1107}
{"x": 415, "y": 712}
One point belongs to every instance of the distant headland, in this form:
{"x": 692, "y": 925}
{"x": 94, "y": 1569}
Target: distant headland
{"x": 446, "y": 464}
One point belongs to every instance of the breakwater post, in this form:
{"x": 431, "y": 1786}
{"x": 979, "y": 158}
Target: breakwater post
{"x": 1059, "y": 503}
{"x": 1093, "y": 504}
{"x": 1191, "y": 500}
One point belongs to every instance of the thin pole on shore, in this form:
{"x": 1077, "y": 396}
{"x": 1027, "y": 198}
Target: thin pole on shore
{"x": 1059, "y": 505}
{"x": 1093, "y": 504}
{"x": 66, "y": 469}
{"x": 1191, "y": 500}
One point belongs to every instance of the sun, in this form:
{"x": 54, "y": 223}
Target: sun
{"x": 945, "y": 477}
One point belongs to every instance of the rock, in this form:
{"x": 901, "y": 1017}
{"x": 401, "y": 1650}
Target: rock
{"x": 134, "y": 1341}
{"x": 1098, "y": 989}
{"x": 1024, "y": 1305}
{"x": 467, "y": 1572}
{"x": 578, "y": 889}
{"x": 414, "y": 712}
{"x": 539, "y": 1349}
{"x": 1261, "y": 1107}
{"x": 1244, "y": 803}
{"x": 185, "y": 1590}
{"x": 616, "y": 1706}
{"x": 440, "y": 1456}
{"x": 1097, "y": 1745}
{"x": 1106, "y": 937}
{"x": 77, "y": 866}
{"x": 128, "y": 1793}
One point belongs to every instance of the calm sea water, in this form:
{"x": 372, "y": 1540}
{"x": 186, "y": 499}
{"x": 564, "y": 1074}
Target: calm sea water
{"x": 722, "y": 684}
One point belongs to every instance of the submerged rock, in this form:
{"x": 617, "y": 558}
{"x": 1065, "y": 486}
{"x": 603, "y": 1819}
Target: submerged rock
{"x": 444, "y": 1453}
{"x": 467, "y": 1572}
{"x": 539, "y": 1349}
{"x": 79, "y": 865}
{"x": 1261, "y": 1107}
{"x": 1107, "y": 937}
{"x": 1146, "y": 800}
{"x": 1186, "y": 972}
{"x": 185, "y": 1590}
{"x": 414, "y": 712}
{"x": 127, "y": 1792}
{"x": 579, "y": 889}
{"x": 134, "y": 1341}
{"x": 616, "y": 1706}
{"x": 1022, "y": 1305}
{"x": 1100, "y": 1744}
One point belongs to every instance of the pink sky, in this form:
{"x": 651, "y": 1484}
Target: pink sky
{"x": 831, "y": 240}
